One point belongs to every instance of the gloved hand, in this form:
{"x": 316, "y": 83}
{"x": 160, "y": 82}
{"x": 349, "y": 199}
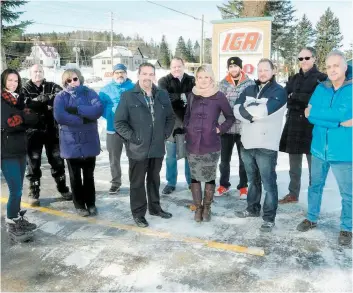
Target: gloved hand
{"x": 43, "y": 98}
{"x": 86, "y": 120}
{"x": 178, "y": 131}
{"x": 72, "y": 110}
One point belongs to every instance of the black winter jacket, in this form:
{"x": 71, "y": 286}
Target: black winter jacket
{"x": 133, "y": 121}
{"x": 175, "y": 88}
{"x": 41, "y": 100}
{"x": 15, "y": 119}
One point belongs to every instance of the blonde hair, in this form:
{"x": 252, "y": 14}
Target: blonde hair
{"x": 207, "y": 69}
{"x": 68, "y": 74}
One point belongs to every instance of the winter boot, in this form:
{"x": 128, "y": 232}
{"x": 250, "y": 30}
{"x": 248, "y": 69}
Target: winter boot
{"x": 34, "y": 190}
{"x": 207, "y": 201}
{"x": 16, "y": 230}
{"x": 24, "y": 222}
{"x": 197, "y": 197}
{"x": 62, "y": 188}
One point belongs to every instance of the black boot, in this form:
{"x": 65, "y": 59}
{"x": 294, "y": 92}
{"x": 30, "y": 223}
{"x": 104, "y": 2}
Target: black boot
{"x": 34, "y": 192}
{"x": 207, "y": 201}
{"x": 62, "y": 188}
{"x": 197, "y": 197}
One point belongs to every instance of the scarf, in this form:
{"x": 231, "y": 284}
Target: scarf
{"x": 211, "y": 90}
{"x": 9, "y": 97}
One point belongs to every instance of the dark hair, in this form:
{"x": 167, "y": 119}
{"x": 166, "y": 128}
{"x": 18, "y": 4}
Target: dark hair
{"x": 4, "y": 76}
{"x": 177, "y": 59}
{"x": 311, "y": 49}
{"x": 146, "y": 64}
{"x": 263, "y": 60}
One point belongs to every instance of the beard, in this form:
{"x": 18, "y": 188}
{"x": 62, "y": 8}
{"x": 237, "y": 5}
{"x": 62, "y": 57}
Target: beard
{"x": 235, "y": 75}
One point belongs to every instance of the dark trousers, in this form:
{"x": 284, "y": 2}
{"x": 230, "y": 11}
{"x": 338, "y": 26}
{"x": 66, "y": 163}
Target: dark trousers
{"x": 83, "y": 191}
{"x": 228, "y": 141}
{"x": 137, "y": 175}
{"x": 295, "y": 172}
{"x": 260, "y": 165}
{"x": 36, "y": 141}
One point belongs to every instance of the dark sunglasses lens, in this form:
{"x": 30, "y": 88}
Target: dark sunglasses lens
{"x": 69, "y": 80}
{"x": 307, "y": 58}
{"x": 76, "y": 78}
{"x": 300, "y": 59}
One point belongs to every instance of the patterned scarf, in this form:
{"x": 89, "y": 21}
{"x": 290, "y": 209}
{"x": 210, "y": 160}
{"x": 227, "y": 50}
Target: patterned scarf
{"x": 11, "y": 98}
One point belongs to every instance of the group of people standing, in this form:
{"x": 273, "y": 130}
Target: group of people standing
{"x": 146, "y": 119}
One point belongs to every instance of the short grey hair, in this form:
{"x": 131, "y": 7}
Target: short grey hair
{"x": 337, "y": 53}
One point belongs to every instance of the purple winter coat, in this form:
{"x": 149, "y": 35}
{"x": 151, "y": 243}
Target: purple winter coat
{"x": 200, "y": 125}
{"x": 78, "y": 138}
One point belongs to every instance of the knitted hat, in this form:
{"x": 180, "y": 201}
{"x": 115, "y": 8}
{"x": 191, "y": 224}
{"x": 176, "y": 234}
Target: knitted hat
{"x": 235, "y": 60}
{"x": 119, "y": 66}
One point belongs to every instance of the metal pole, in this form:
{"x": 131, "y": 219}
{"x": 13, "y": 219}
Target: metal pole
{"x": 111, "y": 39}
{"x": 202, "y": 44}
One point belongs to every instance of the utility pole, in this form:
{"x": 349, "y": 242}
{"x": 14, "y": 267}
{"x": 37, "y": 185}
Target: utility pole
{"x": 202, "y": 44}
{"x": 111, "y": 39}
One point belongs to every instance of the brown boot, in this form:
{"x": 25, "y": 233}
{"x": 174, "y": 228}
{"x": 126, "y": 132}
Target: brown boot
{"x": 207, "y": 201}
{"x": 197, "y": 197}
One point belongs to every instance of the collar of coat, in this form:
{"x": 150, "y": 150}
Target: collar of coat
{"x": 242, "y": 78}
{"x": 138, "y": 89}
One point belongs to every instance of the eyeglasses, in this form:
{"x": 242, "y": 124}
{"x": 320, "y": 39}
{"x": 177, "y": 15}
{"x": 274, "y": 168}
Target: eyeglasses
{"x": 69, "y": 80}
{"x": 302, "y": 58}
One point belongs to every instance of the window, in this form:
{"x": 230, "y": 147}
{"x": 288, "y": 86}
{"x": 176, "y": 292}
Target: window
{"x": 41, "y": 62}
{"x": 109, "y": 62}
{"x": 103, "y": 61}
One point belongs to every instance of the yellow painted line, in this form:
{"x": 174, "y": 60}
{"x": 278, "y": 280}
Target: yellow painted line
{"x": 147, "y": 231}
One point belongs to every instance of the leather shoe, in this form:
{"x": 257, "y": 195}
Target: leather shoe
{"x": 141, "y": 222}
{"x": 162, "y": 214}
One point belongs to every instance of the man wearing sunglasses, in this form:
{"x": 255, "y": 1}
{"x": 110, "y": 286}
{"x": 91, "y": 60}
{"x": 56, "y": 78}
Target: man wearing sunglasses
{"x": 297, "y": 132}
{"x": 40, "y": 95}
{"x": 110, "y": 98}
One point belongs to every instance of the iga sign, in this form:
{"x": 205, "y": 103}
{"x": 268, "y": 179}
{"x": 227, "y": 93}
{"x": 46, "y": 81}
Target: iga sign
{"x": 241, "y": 41}
{"x": 246, "y": 38}
{"x": 245, "y": 43}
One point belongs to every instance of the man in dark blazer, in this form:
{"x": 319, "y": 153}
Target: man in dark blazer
{"x": 145, "y": 119}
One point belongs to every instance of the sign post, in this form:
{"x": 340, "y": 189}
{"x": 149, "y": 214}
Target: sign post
{"x": 246, "y": 38}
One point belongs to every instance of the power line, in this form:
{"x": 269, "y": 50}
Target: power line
{"x": 177, "y": 11}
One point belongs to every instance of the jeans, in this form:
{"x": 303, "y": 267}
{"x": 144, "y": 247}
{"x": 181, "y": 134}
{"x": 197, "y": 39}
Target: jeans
{"x": 228, "y": 141}
{"x": 260, "y": 166}
{"x": 343, "y": 174}
{"x": 13, "y": 170}
{"x": 172, "y": 165}
{"x": 295, "y": 172}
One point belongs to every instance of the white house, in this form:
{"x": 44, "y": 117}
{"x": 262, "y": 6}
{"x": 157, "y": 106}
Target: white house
{"x": 45, "y": 55}
{"x": 155, "y": 63}
{"x": 102, "y": 65}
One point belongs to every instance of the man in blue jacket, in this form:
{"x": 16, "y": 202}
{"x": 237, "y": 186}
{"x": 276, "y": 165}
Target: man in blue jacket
{"x": 330, "y": 110}
{"x": 110, "y": 98}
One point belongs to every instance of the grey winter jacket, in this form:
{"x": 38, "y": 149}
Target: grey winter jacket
{"x": 232, "y": 93}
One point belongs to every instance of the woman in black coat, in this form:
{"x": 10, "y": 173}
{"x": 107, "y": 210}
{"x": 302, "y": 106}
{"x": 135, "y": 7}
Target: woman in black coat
{"x": 15, "y": 119}
{"x": 296, "y": 136}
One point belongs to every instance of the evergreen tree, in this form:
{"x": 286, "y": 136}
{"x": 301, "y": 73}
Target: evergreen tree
{"x": 9, "y": 15}
{"x": 305, "y": 33}
{"x": 208, "y": 51}
{"x": 349, "y": 52}
{"x": 190, "y": 52}
{"x": 164, "y": 53}
{"x": 181, "y": 50}
{"x": 328, "y": 36}
{"x": 232, "y": 9}
{"x": 197, "y": 51}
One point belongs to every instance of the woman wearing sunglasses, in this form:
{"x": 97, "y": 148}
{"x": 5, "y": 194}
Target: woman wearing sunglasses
{"x": 296, "y": 136}
{"x": 76, "y": 109}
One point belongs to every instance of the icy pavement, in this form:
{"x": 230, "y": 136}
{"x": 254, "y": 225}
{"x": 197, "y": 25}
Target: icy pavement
{"x": 110, "y": 254}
